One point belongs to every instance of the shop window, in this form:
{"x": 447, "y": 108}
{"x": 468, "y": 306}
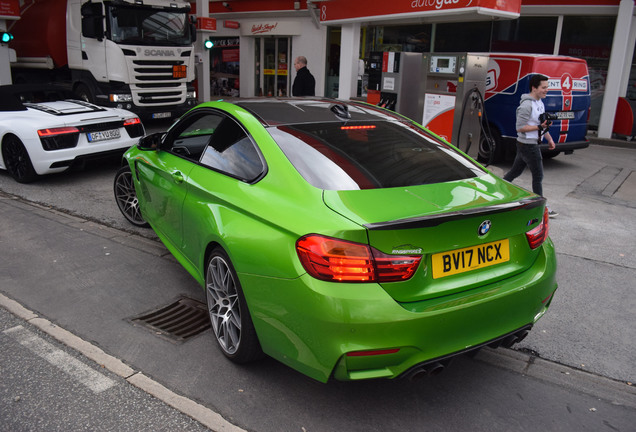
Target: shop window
{"x": 631, "y": 87}
{"x": 334, "y": 37}
{"x": 525, "y": 35}
{"x": 407, "y": 38}
{"x": 590, "y": 38}
{"x": 225, "y": 67}
{"x": 463, "y": 36}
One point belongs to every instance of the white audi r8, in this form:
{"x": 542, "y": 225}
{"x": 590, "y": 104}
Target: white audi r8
{"x": 44, "y": 130}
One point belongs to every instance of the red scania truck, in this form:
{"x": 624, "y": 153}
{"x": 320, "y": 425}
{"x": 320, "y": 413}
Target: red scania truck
{"x": 132, "y": 54}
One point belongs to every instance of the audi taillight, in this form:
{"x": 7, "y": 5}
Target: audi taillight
{"x": 58, "y": 138}
{"x": 336, "y": 260}
{"x": 134, "y": 127}
{"x": 539, "y": 234}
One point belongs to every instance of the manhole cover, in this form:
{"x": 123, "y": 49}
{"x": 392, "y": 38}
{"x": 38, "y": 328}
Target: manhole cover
{"x": 179, "y": 321}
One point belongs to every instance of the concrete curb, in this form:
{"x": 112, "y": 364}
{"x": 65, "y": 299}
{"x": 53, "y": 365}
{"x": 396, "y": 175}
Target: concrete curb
{"x": 196, "y": 411}
{"x": 616, "y": 392}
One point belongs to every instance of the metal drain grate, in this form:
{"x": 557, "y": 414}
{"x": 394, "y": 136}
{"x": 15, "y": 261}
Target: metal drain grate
{"x": 178, "y": 321}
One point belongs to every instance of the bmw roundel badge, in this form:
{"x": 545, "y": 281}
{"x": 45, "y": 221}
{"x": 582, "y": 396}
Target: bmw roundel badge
{"x": 484, "y": 227}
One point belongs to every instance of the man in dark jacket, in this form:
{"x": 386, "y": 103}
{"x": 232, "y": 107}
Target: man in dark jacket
{"x": 304, "y": 83}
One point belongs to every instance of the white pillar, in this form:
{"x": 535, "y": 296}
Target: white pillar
{"x": 557, "y": 37}
{"x": 349, "y": 56}
{"x": 620, "y": 52}
{"x": 203, "y": 68}
{"x": 248, "y": 66}
{"x": 5, "y": 58}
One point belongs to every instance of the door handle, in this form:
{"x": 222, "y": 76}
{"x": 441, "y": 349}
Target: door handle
{"x": 177, "y": 176}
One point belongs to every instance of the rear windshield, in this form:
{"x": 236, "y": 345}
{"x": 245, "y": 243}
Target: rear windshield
{"x": 369, "y": 155}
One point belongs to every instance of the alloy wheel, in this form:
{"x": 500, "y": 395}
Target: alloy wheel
{"x": 223, "y": 305}
{"x": 17, "y": 160}
{"x": 126, "y": 197}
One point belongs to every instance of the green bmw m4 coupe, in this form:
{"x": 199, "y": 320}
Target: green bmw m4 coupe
{"x": 340, "y": 238}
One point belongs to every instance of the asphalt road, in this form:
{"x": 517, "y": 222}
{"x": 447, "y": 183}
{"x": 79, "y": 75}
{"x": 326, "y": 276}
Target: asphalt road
{"x": 90, "y": 272}
{"x": 48, "y": 386}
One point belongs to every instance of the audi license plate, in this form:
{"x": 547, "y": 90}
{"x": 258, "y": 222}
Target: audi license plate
{"x": 162, "y": 115}
{"x": 103, "y": 135}
{"x": 471, "y": 258}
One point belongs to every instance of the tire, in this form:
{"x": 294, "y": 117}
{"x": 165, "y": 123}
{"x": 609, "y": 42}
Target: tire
{"x": 17, "y": 160}
{"x": 84, "y": 93}
{"x": 484, "y": 154}
{"x": 126, "y": 197}
{"x": 230, "y": 318}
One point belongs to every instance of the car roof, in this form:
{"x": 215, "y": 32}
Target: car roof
{"x": 13, "y": 97}
{"x": 277, "y": 112}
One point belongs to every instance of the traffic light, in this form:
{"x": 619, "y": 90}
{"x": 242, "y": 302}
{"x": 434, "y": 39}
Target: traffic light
{"x": 208, "y": 44}
{"x": 5, "y": 37}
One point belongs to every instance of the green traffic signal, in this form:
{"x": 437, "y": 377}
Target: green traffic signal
{"x": 208, "y": 44}
{"x": 6, "y": 37}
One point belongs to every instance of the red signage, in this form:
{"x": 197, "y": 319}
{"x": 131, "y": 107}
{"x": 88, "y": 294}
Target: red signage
{"x": 9, "y": 9}
{"x": 231, "y": 24}
{"x": 336, "y": 10}
{"x": 264, "y": 28}
{"x": 206, "y": 24}
{"x": 231, "y": 55}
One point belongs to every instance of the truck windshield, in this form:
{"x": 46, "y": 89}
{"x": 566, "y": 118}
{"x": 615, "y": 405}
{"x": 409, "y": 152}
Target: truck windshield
{"x": 139, "y": 25}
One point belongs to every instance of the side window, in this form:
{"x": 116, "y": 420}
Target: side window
{"x": 231, "y": 151}
{"x": 193, "y": 140}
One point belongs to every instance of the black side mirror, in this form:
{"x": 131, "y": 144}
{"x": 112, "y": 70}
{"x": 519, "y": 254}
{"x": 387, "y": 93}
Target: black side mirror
{"x": 93, "y": 21}
{"x": 151, "y": 142}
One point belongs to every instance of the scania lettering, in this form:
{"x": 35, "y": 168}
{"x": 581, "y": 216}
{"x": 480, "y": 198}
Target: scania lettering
{"x": 159, "y": 53}
{"x": 121, "y": 53}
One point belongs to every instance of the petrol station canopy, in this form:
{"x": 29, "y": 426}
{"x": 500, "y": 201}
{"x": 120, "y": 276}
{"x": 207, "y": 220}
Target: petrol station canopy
{"x": 346, "y": 11}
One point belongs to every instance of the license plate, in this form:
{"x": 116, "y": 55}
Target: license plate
{"x": 471, "y": 258}
{"x": 565, "y": 115}
{"x": 103, "y": 135}
{"x": 162, "y": 115}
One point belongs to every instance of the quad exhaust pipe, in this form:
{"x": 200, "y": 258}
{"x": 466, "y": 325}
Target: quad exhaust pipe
{"x": 428, "y": 369}
{"x": 436, "y": 367}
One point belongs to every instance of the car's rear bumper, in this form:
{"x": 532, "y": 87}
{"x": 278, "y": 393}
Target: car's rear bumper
{"x": 314, "y": 326}
{"x": 54, "y": 161}
{"x": 566, "y": 146}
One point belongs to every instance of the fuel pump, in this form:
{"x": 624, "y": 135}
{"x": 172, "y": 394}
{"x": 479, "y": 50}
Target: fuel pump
{"x": 395, "y": 82}
{"x": 453, "y": 104}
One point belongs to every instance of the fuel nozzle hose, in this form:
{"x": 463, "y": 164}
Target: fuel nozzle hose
{"x": 479, "y": 105}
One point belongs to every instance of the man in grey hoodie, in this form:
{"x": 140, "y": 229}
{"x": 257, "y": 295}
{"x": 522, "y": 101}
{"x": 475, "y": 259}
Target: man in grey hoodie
{"x": 529, "y": 129}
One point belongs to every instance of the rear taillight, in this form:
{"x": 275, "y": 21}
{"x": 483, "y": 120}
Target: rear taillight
{"x": 58, "y": 138}
{"x": 132, "y": 121}
{"x": 45, "y": 133}
{"x": 539, "y": 234}
{"x": 336, "y": 260}
{"x": 134, "y": 127}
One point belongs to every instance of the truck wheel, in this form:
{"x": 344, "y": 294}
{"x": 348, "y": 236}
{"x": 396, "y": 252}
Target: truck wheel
{"x": 485, "y": 149}
{"x": 84, "y": 93}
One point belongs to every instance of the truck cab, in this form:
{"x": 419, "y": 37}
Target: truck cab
{"x": 131, "y": 54}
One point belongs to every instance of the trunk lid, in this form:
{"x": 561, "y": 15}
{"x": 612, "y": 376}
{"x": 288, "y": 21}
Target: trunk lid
{"x": 469, "y": 232}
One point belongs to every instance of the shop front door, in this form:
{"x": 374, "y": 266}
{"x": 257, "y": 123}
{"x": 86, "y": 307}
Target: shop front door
{"x": 272, "y": 66}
